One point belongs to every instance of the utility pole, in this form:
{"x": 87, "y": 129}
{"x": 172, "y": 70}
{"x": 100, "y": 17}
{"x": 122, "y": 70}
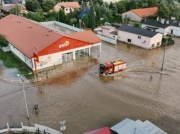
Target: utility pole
{"x": 25, "y": 103}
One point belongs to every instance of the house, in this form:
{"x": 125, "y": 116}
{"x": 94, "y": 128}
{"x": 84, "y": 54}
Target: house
{"x": 139, "y": 37}
{"x": 164, "y": 26}
{"x": 107, "y": 31}
{"x": 7, "y": 8}
{"x": 104, "y": 130}
{"x": 128, "y": 126}
{"x": 67, "y": 6}
{"x": 9, "y": 2}
{"x": 40, "y": 47}
{"x": 139, "y": 14}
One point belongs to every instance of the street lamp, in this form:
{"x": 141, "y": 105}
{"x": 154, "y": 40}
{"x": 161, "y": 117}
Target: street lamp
{"x": 21, "y": 80}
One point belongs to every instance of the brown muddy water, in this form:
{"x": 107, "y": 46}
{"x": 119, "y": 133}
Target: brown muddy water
{"x": 88, "y": 101}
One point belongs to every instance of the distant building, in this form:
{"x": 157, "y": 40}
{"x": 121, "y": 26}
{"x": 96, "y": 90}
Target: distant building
{"x": 139, "y": 14}
{"x": 164, "y": 26}
{"x": 67, "y": 6}
{"x": 128, "y": 126}
{"x": 40, "y": 47}
{"x": 139, "y": 37}
{"x": 9, "y": 2}
{"x": 7, "y": 8}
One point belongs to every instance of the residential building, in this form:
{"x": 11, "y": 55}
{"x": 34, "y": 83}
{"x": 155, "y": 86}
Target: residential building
{"x": 107, "y": 31}
{"x": 128, "y": 126}
{"x": 139, "y": 37}
{"x": 139, "y": 14}
{"x": 164, "y": 26}
{"x": 40, "y": 47}
{"x": 9, "y": 2}
{"x": 67, "y": 6}
{"x": 7, "y": 8}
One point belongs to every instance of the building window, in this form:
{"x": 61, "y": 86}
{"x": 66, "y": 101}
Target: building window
{"x": 158, "y": 44}
{"x": 129, "y": 40}
{"x": 139, "y": 37}
{"x": 152, "y": 45}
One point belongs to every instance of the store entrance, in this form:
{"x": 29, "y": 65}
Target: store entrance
{"x": 67, "y": 56}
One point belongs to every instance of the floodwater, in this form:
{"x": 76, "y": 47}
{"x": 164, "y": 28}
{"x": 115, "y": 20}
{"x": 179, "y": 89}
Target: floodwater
{"x": 74, "y": 92}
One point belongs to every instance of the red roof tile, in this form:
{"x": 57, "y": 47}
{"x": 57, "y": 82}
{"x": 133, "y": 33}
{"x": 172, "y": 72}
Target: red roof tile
{"x": 87, "y": 36}
{"x": 145, "y": 12}
{"x": 26, "y": 35}
{"x": 69, "y": 4}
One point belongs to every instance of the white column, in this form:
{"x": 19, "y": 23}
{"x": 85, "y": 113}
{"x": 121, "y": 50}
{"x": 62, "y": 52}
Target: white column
{"x": 89, "y": 50}
{"x": 74, "y": 55}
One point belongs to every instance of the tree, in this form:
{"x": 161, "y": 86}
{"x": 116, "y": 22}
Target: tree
{"x": 37, "y": 16}
{"x": 32, "y": 5}
{"x": 3, "y": 41}
{"x": 120, "y": 7}
{"x": 152, "y": 3}
{"x": 163, "y": 11}
{"x": 15, "y": 10}
{"x": 98, "y": 15}
{"x": 47, "y": 5}
{"x": 61, "y": 16}
{"x": 91, "y": 16}
{"x": 85, "y": 20}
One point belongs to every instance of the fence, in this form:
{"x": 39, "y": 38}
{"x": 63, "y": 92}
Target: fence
{"x": 38, "y": 128}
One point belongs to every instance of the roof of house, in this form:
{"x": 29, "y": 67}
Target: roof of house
{"x": 11, "y": 1}
{"x": 87, "y": 36}
{"x": 156, "y": 23}
{"x": 26, "y": 35}
{"x": 138, "y": 31}
{"x": 69, "y": 4}
{"x": 145, "y": 12}
{"x": 108, "y": 27}
{"x": 104, "y": 130}
{"x": 83, "y": 12}
{"x": 8, "y": 8}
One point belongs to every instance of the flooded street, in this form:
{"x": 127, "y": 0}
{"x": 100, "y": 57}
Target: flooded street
{"x": 88, "y": 101}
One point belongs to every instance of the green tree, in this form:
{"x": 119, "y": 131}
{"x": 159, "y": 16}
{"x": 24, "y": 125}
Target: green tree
{"x": 32, "y": 5}
{"x": 163, "y": 11}
{"x": 47, "y": 5}
{"x": 152, "y": 3}
{"x": 15, "y": 10}
{"x": 61, "y": 16}
{"x": 37, "y": 16}
{"x": 120, "y": 7}
{"x": 85, "y": 20}
{"x": 91, "y": 16}
{"x": 98, "y": 15}
{"x": 3, "y": 41}
{"x": 136, "y": 25}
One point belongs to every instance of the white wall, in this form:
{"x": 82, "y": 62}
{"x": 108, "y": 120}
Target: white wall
{"x": 24, "y": 58}
{"x": 132, "y": 16}
{"x": 156, "y": 40}
{"x": 143, "y": 41}
{"x": 176, "y": 30}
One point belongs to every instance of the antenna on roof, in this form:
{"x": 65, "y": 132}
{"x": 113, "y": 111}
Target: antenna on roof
{"x": 30, "y": 26}
{"x": 19, "y": 21}
{"x": 47, "y": 34}
{"x": 50, "y": 31}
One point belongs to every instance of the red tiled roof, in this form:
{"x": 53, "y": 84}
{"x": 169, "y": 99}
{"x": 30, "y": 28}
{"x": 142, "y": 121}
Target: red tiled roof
{"x": 104, "y": 130}
{"x": 145, "y": 12}
{"x": 69, "y": 4}
{"x": 26, "y": 35}
{"x": 87, "y": 36}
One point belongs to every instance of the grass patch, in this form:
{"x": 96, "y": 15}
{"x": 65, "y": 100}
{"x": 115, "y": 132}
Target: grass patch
{"x": 10, "y": 61}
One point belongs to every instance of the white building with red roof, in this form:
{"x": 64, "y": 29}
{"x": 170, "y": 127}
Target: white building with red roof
{"x": 40, "y": 47}
{"x": 139, "y": 14}
{"x": 67, "y": 6}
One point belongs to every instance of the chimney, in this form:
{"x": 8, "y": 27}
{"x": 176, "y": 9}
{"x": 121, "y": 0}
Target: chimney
{"x": 173, "y": 18}
{"x": 162, "y": 20}
{"x": 167, "y": 21}
{"x": 157, "y": 19}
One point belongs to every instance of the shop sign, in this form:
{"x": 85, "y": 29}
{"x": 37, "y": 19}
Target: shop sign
{"x": 65, "y": 44}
